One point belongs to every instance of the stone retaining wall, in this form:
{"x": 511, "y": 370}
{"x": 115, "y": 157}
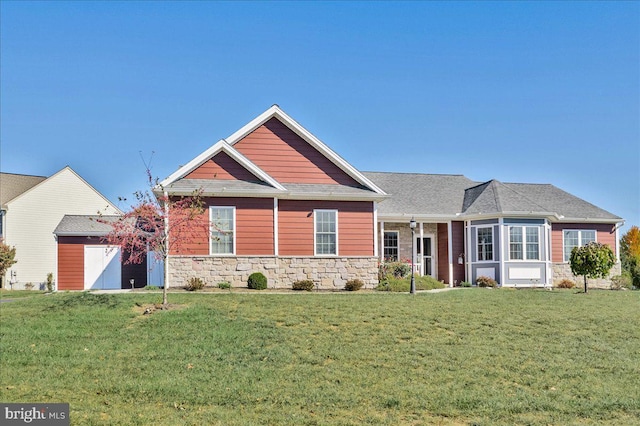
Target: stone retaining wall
{"x": 562, "y": 271}
{"x": 281, "y": 272}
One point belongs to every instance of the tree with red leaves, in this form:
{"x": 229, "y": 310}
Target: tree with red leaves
{"x": 145, "y": 227}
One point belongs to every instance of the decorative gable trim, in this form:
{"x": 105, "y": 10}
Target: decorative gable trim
{"x": 274, "y": 111}
{"x": 221, "y": 146}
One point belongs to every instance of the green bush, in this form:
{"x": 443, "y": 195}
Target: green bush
{"x": 393, "y": 270}
{"x": 465, "y": 284}
{"x": 621, "y": 281}
{"x": 306, "y": 285}
{"x": 257, "y": 281}
{"x": 402, "y": 285}
{"x": 224, "y": 285}
{"x": 194, "y": 284}
{"x": 565, "y": 283}
{"x": 353, "y": 285}
{"x": 50, "y": 282}
{"x": 486, "y": 282}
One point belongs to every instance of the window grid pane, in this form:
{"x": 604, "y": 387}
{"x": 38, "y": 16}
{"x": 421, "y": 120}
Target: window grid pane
{"x": 222, "y": 230}
{"x": 485, "y": 244}
{"x": 533, "y": 244}
{"x": 515, "y": 243}
{"x": 391, "y": 246}
{"x": 571, "y": 240}
{"x": 325, "y": 232}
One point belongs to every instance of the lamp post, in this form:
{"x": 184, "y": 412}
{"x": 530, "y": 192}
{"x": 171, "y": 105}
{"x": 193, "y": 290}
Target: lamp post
{"x": 412, "y": 225}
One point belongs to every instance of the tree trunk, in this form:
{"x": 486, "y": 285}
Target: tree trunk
{"x": 585, "y": 283}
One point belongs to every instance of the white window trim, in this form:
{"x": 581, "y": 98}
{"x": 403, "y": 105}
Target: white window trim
{"x": 235, "y": 227}
{"x": 579, "y": 231}
{"x": 315, "y": 216}
{"x": 384, "y": 246}
{"x": 493, "y": 245}
{"x": 524, "y": 244}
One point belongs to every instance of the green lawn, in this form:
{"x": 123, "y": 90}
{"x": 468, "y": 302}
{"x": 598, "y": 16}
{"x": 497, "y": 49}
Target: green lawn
{"x": 469, "y": 356}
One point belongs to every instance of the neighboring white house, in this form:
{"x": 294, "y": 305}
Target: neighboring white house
{"x": 32, "y": 207}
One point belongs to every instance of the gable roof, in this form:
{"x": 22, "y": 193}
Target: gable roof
{"x": 70, "y": 170}
{"x": 85, "y": 225}
{"x": 12, "y": 185}
{"x": 273, "y": 112}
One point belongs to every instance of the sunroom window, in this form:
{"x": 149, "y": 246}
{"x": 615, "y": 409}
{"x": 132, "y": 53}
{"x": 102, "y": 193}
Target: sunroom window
{"x": 524, "y": 243}
{"x": 391, "y": 246}
{"x": 485, "y": 243}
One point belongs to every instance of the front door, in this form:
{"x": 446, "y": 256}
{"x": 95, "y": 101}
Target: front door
{"x": 426, "y": 258}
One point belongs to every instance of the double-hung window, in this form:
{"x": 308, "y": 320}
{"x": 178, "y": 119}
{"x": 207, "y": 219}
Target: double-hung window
{"x": 326, "y": 232}
{"x": 391, "y": 246}
{"x": 485, "y": 243}
{"x": 223, "y": 229}
{"x": 576, "y": 238}
{"x": 524, "y": 243}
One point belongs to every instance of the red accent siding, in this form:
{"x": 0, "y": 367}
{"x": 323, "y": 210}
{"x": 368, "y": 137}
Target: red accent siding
{"x": 71, "y": 262}
{"x": 254, "y": 228}
{"x": 296, "y": 232}
{"x": 222, "y": 167}
{"x": 457, "y": 246}
{"x": 605, "y": 234}
{"x": 443, "y": 253}
{"x": 288, "y": 158}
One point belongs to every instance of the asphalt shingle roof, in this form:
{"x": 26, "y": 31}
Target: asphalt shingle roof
{"x": 12, "y": 185}
{"x": 84, "y": 225}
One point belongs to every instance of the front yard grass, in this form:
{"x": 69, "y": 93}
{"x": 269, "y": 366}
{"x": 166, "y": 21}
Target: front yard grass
{"x": 469, "y": 356}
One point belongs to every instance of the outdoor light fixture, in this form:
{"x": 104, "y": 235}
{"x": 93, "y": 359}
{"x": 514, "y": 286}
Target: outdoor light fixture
{"x": 461, "y": 259}
{"x": 412, "y": 225}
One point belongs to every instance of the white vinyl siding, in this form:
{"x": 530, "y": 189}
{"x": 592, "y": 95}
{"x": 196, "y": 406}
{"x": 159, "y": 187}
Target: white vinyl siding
{"x": 326, "y": 232}
{"x": 223, "y": 230}
{"x": 576, "y": 238}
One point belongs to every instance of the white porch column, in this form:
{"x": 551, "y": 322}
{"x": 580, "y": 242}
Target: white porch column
{"x": 382, "y": 241}
{"x": 450, "y": 249}
{"x": 421, "y": 244}
{"x": 375, "y": 229}
{"x": 276, "y": 242}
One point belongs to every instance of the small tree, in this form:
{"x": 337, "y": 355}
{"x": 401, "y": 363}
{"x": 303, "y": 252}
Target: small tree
{"x": 7, "y": 258}
{"x": 593, "y": 260}
{"x": 630, "y": 254}
{"x": 158, "y": 223}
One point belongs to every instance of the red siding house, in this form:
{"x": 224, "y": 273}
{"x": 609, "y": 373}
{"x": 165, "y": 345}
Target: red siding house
{"x": 281, "y": 202}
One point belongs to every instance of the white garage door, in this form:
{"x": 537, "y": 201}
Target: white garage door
{"x": 102, "y": 269}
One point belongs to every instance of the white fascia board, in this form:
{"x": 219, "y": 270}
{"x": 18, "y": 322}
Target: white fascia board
{"x": 426, "y": 218}
{"x": 47, "y": 180}
{"x": 219, "y": 146}
{"x": 325, "y": 196}
{"x": 275, "y": 111}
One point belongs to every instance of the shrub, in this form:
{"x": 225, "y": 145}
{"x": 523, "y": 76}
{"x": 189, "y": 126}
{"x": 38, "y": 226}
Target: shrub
{"x": 224, "y": 285}
{"x": 50, "y": 282}
{"x": 353, "y": 285}
{"x": 621, "y": 281}
{"x": 486, "y": 282}
{"x": 465, "y": 284}
{"x": 565, "y": 283}
{"x": 393, "y": 270}
{"x": 194, "y": 284}
{"x": 257, "y": 281}
{"x": 306, "y": 285}
{"x": 403, "y": 284}
{"x": 28, "y": 286}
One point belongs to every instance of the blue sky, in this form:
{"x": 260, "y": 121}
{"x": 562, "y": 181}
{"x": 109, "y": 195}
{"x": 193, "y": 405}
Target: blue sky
{"x": 539, "y": 92}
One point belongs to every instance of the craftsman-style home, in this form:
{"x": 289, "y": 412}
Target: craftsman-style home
{"x": 283, "y": 203}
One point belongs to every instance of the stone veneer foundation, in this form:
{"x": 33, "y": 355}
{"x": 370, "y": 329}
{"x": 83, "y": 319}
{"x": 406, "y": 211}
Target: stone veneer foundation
{"x": 562, "y": 271}
{"x": 281, "y": 272}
